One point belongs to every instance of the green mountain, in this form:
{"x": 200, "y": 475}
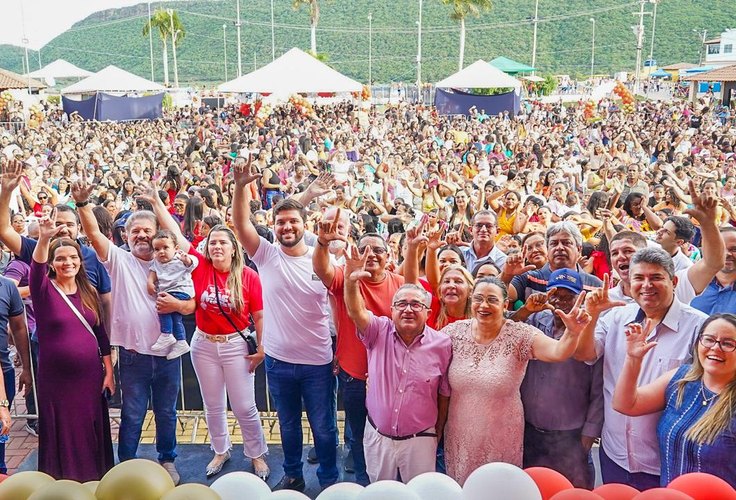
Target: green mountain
{"x": 564, "y": 36}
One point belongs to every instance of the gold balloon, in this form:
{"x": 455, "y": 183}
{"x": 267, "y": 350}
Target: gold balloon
{"x": 63, "y": 490}
{"x": 139, "y": 479}
{"x": 191, "y": 491}
{"x": 91, "y": 485}
{"x": 20, "y": 486}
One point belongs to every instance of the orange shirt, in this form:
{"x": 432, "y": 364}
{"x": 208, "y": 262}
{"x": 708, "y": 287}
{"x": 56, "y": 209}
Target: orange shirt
{"x": 350, "y": 352}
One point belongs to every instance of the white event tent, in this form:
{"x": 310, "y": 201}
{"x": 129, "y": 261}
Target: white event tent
{"x": 292, "y": 73}
{"x": 479, "y": 75}
{"x": 60, "y": 69}
{"x": 112, "y": 80}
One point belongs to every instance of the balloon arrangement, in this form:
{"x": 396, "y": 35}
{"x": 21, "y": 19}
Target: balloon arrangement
{"x": 589, "y": 113}
{"x": 629, "y": 101}
{"x": 36, "y": 117}
{"x": 5, "y": 98}
{"x": 145, "y": 480}
{"x": 302, "y": 106}
{"x": 363, "y": 95}
{"x": 262, "y": 113}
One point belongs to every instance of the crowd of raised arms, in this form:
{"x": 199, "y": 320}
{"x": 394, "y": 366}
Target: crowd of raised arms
{"x": 478, "y": 289}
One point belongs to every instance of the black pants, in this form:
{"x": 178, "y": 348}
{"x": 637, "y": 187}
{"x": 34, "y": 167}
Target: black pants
{"x": 561, "y": 451}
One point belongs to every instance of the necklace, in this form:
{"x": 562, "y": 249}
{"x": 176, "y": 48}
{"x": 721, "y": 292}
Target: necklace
{"x": 702, "y": 393}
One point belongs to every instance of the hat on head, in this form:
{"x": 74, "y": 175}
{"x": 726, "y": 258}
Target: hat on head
{"x": 565, "y": 278}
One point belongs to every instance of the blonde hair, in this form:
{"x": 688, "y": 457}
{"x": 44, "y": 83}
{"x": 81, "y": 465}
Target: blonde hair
{"x": 235, "y": 276}
{"x": 443, "y": 317}
{"x": 718, "y": 417}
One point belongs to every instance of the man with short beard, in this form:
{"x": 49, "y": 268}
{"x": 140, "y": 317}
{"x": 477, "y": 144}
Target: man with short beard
{"x": 296, "y": 332}
{"x": 483, "y": 245}
{"x": 720, "y": 294}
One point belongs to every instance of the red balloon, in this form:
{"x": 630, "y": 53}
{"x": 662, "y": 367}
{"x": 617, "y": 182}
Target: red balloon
{"x": 662, "y": 494}
{"x": 615, "y": 491}
{"x": 576, "y": 494}
{"x": 702, "y": 486}
{"x": 548, "y": 481}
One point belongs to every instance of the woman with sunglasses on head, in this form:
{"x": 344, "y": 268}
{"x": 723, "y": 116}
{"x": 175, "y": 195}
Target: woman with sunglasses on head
{"x": 698, "y": 401}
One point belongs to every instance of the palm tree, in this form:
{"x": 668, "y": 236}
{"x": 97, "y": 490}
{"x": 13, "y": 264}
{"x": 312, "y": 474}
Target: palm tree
{"x": 168, "y": 25}
{"x": 460, "y": 10}
{"x": 313, "y": 20}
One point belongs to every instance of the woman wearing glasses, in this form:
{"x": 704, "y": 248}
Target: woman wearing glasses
{"x": 489, "y": 359}
{"x": 697, "y": 430}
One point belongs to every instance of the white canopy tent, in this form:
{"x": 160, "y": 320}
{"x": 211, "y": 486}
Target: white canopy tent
{"x": 60, "y": 69}
{"x": 112, "y": 80}
{"x": 479, "y": 75}
{"x": 292, "y": 73}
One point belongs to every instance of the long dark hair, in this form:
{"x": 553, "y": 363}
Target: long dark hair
{"x": 90, "y": 299}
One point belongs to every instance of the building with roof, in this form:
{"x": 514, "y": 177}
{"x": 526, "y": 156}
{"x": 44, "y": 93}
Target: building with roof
{"x": 726, "y": 76}
{"x": 10, "y": 80}
{"x": 721, "y": 51}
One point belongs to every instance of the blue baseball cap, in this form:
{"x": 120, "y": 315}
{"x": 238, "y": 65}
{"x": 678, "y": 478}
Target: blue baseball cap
{"x": 565, "y": 278}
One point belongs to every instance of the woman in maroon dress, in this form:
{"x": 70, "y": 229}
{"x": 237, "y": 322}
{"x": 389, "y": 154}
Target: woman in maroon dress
{"x": 74, "y": 428}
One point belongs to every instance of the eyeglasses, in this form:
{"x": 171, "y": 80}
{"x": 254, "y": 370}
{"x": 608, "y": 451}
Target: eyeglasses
{"x": 375, "y": 250}
{"x": 481, "y": 225}
{"x": 414, "y": 306}
{"x": 726, "y": 345}
{"x": 491, "y": 300}
{"x": 41, "y": 198}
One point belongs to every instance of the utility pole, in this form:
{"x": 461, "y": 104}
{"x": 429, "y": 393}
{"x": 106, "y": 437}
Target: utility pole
{"x": 654, "y": 24}
{"x": 150, "y": 39}
{"x": 273, "y": 36}
{"x": 237, "y": 28}
{"x": 592, "y": 52}
{"x": 534, "y": 38}
{"x": 702, "y": 50}
{"x": 224, "y": 46}
{"x": 639, "y": 45}
{"x": 370, "y": 49}
{"x": 419, "y": 47}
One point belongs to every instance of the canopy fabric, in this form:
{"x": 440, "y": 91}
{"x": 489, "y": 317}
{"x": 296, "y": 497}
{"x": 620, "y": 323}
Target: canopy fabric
{"x": 60, "y": 69}
{"x": 112, "y": 79}
{"x": 292, "y": 73}
{"x": 510, "y": 66}
{"x": 660, "y": 73}
{"x": 479, "y": 75}
{"x": 532, "y": 78}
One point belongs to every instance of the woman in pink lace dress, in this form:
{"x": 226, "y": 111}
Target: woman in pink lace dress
{"x": 490, "y": 353}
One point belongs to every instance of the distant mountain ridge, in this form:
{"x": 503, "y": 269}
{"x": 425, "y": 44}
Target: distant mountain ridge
{"x": 114, "y": 36}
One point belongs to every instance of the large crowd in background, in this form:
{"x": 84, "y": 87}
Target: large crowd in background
{"x": 478, "y": 288}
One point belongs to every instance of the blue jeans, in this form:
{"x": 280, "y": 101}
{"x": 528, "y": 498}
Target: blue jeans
{"x": 611, "y": 472}
{"x": 173, "y": 322}
{"x": 353, "y": 399}
{"x": 289, "y": 385}
{"x": 9, "y": 376}
{"x": 144, "y": 378}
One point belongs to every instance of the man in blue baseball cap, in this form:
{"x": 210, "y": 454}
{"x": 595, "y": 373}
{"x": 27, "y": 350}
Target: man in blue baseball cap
{"x": 563, "y": 402}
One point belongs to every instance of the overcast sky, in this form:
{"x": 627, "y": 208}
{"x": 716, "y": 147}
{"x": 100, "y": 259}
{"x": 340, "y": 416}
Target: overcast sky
{"x": 42, "y": 20}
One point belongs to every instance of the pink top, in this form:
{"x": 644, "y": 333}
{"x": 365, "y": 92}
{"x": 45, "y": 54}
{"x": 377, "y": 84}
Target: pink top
{"x": 405, "y": 381}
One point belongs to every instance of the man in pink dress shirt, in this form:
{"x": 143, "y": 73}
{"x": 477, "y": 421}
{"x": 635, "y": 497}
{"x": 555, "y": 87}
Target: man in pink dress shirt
{"x": 407, "y": 368}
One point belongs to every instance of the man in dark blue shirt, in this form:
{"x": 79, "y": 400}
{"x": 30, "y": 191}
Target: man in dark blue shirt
{"x": 720, "y": 295}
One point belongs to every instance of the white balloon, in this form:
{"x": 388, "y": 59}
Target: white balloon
{"x": 385, "y": 490}
{"x": 433, "y": 485}
{"x": 239, "y": 485}
{"x": 341, "y": 491}
{"x": 500, "y": 481}
{"x": 288, "y": 495}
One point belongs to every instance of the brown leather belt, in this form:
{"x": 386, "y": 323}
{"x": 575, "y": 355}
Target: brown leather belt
{"x": 424, "y": 433}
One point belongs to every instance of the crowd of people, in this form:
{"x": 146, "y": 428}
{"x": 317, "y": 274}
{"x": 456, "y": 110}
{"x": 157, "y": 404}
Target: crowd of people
{"x": 478, "y": 288}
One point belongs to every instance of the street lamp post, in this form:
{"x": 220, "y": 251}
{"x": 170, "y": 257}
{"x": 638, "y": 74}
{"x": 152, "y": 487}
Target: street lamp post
{"x": 370, "y": 49}
{"x": 534, "y": 37}
{"x": 273, "y": 36}
{"x": 639, "y": 46}
{"x": 237, "y": 28}
{"x": 419, "y": 47}
{"x": 224, "y": 46}
{"x": 654, "y": 24}
{"x": 592, "y": 52}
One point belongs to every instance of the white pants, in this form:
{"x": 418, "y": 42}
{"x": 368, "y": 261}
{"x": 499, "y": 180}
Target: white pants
{"x": 385, "y": 456}
{"x": 221, "y": 367}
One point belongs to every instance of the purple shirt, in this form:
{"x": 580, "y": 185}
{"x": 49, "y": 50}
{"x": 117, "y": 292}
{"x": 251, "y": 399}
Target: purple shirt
{"x": 404, "y": 381}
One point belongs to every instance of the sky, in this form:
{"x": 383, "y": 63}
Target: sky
{"x": 42, "y": 20}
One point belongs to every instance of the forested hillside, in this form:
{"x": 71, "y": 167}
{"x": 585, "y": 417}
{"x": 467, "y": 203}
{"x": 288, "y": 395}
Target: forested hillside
{"x": 564, "y": 38}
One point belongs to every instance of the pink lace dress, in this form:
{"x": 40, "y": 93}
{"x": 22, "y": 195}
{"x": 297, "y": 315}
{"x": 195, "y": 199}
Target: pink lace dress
{"x": 485, "y": 422}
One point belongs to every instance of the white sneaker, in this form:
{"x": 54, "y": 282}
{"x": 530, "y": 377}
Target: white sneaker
{"x": 180, "y": 347}
{"x": 164, "y": 341}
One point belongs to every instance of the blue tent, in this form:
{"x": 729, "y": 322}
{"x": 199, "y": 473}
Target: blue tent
{"x": 660, "y": 73}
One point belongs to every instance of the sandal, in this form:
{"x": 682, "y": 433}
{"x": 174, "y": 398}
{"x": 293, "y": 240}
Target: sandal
{"x": 215, "y": 466}
{"x": 260, "y": 468}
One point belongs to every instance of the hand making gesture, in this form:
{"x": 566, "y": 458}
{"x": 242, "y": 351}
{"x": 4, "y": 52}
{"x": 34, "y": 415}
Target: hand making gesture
{"x": 81, "y": 191}
{"x": 12, "y": 170}
{"x": 355, "y": 263}
{"x": 636, "y": 340}
{"x": 327, "y": 231}
{"x": 538, "y": 302}
{"x": 599, "y": 301}
{"x": 705, "y": 207}
{"x": 577, "y": 319}
{"x": 242, "y": 172}
{"x": 415, "y": 235}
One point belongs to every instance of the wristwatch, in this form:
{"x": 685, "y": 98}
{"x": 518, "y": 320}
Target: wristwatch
{"x": 81, "y": 204}
{"x": 4, "y": 403}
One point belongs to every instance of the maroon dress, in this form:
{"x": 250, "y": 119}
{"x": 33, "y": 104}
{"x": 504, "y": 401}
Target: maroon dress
{"x": 74, "y": 439}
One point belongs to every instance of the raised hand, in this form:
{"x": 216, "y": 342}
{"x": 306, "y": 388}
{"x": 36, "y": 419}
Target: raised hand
{"x": 577, "y": 319}
{"x": 242, "y": 172}
{"x": 434, "y": 239}
{"x": 355, "y": 263}
{"x": 150, "y": 194}
{"x": 327, "y": 231}
{"x": 636, "y": 339}
{"x": 415, "y": 235}
{"x": 47, "y": 227}
{"x": 456, "y": 237}
{"x": 12, "y": 170}
{"x": 322, "y": 185}
{"x": 599, "y": 301}
{"x": 81, "y": 191}
{"x": 515, "y": 266}
{"x": 705, "y": 208}
{"x": 538, "y": 302}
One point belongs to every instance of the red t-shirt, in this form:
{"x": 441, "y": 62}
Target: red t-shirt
{"x": 208, "y": 316}
{"x": 350, "y": 352}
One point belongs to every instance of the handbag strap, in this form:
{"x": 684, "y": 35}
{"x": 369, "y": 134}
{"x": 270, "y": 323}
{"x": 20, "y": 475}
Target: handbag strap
{"x": 217, "y": 299}
{"x": 76, "y": 313}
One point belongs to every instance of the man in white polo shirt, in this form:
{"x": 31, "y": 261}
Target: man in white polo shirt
{"x": 296, "y": 333}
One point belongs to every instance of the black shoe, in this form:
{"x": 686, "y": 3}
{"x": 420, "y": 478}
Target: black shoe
{"x": 312, "y": 456}
{"x": 290, "y": 483}
{"x": 348, "y": 465}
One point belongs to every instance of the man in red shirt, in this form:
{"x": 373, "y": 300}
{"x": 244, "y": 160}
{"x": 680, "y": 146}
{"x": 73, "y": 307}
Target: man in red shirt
{"x": 377, "y": 292}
